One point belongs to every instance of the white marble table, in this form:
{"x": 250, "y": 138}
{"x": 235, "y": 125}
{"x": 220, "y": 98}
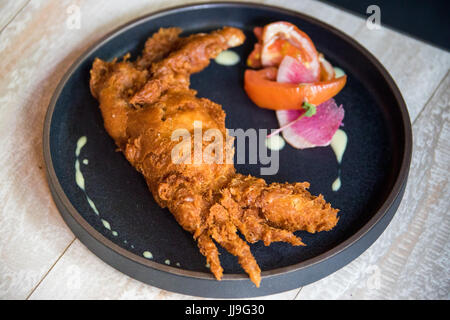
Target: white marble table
{"x": 40, "y": 258}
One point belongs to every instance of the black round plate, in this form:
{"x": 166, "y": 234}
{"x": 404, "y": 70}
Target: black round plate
{"x": 374, "y": 168}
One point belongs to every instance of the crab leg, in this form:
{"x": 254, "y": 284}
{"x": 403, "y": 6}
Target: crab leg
{"x": 285, "y": 206}
{"x": 222, "y": 229}
{"x": 192, "y": 56}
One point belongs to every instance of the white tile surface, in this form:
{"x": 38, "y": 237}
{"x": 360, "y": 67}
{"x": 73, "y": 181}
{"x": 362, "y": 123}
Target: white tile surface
{"x": 38, "y": 255}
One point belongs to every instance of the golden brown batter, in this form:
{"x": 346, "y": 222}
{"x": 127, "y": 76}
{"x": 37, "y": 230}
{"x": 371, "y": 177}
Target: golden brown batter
{"x": 143, "y": 102}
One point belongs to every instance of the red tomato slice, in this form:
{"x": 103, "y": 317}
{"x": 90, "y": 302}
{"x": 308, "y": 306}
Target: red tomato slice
{"x": 265, "y": 92}
{"x": 283, "y": 38}
{"x": 254, "y": 59}
{"x": 258, "y": 33}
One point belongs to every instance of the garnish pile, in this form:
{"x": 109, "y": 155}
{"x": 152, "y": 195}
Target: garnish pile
{"x": 297, "y": 82}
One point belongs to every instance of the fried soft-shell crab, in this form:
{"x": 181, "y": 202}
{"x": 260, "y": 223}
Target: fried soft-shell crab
{"x": 144, "y": 101}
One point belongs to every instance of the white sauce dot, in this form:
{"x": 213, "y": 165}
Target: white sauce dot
{"x": 106, "y": 224}
{"x": 339, "y": 144}
{"x": 227, "y": 58}
{"x": 92, "y": 205}
{"x": 79, "y": 179}
{"x": 80, "y": 144}
{"x": 147, "y": 254}
{"x": 275, "y": 143}
{"x": 336, "y": 184}
{"x": 338, "y": 72}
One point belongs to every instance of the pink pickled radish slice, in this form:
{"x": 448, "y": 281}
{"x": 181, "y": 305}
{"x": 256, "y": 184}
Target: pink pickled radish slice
{"x": 315, "y": 131}
{"x": 293, "y": 71}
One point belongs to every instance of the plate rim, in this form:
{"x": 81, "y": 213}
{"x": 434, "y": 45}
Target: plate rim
{"x": 400, "y": 180}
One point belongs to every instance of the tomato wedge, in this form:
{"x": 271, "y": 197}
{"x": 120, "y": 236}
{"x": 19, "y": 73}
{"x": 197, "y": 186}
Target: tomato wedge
{"x": 258, "y": 31}
{"x": 283, "y": 38}
{"x": 254, "y": 58}
{"x": 265, "y": 92}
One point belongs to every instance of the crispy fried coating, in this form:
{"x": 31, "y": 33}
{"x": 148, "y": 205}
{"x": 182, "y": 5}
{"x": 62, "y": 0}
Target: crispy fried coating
{"x": 144, "y": 102}
{"x": 159, "y": 46}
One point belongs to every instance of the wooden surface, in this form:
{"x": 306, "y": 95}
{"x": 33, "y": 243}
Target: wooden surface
{"x": 40, "y": 258}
